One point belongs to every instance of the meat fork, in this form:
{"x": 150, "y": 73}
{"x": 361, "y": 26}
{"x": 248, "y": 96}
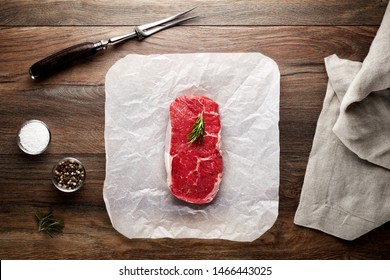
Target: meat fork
{"x": 66, "y": 56}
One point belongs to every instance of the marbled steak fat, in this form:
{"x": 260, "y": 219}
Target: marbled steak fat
{"x": 194, "y": 170}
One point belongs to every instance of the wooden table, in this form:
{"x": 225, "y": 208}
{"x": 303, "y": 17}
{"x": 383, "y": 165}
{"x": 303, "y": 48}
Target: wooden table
{"x": 296, "y": 34}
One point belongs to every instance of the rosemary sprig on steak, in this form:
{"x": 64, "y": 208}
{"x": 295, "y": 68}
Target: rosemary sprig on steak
{"x": 197, "y": 131}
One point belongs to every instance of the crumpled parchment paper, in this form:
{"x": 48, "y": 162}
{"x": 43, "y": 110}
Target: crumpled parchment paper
{"x": 139, "y": 90}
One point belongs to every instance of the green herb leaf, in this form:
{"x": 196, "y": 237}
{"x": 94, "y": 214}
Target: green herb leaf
{"x": 197, "y": 131}
{"x": 48, "y": 224}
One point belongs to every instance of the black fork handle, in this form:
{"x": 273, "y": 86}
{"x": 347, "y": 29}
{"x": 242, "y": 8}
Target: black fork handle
{"x": 63, "y": 58}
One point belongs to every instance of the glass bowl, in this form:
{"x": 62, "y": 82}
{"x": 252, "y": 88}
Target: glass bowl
{"x": 68, "y": 174}
{"x": 33, "y": 137}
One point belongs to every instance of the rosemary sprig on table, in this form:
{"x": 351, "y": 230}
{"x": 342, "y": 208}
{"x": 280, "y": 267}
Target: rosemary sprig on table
{"x": 197, "y": 131}
{"x": 49, "y": 224}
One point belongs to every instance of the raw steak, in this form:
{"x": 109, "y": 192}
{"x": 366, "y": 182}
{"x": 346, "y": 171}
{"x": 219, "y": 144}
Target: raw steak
{"x": 194, "y": 170}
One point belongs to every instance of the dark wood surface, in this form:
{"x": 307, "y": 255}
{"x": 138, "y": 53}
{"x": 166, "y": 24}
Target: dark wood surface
{"x": 296, "y": 34}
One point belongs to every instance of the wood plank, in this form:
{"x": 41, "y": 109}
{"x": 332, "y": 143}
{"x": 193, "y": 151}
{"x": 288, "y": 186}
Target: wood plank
{"x": 72, "y": 103}
{"x": 215, "y": 12}
{"x": 78, "y": 93}
{"x": 296, "y": 49}
{"x": 75, "y": 115}
{"x": 88, "y": 233}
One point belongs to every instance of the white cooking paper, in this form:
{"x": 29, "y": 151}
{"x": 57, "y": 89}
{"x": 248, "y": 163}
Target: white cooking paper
{"x": 139, "y": 90}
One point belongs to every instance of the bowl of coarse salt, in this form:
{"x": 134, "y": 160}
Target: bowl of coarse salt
{"x": 33, "y": 137}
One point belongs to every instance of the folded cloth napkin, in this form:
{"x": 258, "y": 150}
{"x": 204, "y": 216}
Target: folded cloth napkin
{"x": 346, "y": 191}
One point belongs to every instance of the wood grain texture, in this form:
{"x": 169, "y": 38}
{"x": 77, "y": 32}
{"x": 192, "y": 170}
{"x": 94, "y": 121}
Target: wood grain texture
{"x": 215, "y": 12}
{"x": 72, "y": 104}
{"x": 295, "y": 49}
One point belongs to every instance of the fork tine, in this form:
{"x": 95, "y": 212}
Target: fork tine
{"x": 156, "y": 23}
{"x": 162, "y": 27}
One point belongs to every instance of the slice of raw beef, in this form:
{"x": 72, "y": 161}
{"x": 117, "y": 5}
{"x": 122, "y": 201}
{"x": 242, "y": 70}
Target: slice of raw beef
{"x": 194, "y": 170}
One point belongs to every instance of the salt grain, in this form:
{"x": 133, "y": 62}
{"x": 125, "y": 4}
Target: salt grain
{"x": 34, "y": 137}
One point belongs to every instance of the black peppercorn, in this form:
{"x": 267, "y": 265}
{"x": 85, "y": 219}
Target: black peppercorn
{"x": 68, "y": 174}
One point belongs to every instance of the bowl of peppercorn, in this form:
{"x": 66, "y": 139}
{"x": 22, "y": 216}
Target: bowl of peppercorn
{"x": 68, "y": 174}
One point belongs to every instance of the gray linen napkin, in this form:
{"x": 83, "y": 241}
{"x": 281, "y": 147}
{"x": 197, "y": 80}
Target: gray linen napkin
{"x": 346, "y": 191}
